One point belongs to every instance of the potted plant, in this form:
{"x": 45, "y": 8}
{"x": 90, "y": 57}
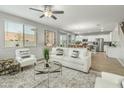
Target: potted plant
{"x": 114, "y": 44}
{"x": 46, "y": 56}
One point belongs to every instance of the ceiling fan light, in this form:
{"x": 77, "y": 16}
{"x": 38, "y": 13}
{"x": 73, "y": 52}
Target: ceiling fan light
{"x": 48, "y": 14}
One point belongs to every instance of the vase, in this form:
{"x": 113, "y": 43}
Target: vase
{"x": 46, "y": 65}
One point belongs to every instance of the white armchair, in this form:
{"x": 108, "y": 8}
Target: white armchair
{"x": 24, "y": 57}
{"x": 109, "y": 80}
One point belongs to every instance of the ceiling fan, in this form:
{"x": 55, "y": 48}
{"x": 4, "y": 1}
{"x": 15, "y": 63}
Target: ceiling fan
{"x": 47, "y": 12}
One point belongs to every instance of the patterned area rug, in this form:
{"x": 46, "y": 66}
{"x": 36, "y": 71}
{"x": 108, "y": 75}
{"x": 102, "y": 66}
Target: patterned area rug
{"x": 69, "y": 79}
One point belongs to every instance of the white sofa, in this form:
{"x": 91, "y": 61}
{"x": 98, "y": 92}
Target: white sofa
{"x": 82, "y": 63}
{"x": 24, "y": 57}
{"x": 109, "y": 80}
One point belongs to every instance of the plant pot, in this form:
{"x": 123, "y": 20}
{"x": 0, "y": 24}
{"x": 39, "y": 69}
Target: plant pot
{"x": 47, "y": 65}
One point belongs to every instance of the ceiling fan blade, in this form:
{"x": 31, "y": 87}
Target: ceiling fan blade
{"x": 36, "y": 9}
{"x": 42, "y": 16}
{"x": 58, "y": 12}
{"x": 54, "y": 17}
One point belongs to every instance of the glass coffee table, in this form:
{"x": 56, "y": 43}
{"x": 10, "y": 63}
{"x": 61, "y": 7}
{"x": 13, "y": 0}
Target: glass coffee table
{"x": 54, "y": 67}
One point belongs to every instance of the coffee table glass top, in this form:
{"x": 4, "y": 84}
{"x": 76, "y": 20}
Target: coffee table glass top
{"x": 53, "y": 67}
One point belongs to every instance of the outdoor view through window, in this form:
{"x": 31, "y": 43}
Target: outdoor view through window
{"x": 19, "y": 35}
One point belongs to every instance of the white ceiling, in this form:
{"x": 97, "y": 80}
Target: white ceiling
{"x": 76, "y": 18}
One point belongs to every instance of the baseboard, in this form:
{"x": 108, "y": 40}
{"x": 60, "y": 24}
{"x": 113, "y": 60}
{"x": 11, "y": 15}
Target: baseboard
{"x": 121, "y": 61}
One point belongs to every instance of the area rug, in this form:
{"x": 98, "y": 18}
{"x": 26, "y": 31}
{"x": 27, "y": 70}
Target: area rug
{"x": 69, "y": 79}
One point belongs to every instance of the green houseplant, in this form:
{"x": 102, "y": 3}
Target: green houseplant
{"x": 46, "y": 56}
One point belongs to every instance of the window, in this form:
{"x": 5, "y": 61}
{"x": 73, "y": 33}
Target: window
{"x": 63, "y": 40}
{"x": 49, "y": 38}
{"x": 29, "y": 36}
{"x": 13, "y": 34}
{"x": 71, "y": 39}
{"x": 79, "y": 38}
{"x": 19, "y": 35}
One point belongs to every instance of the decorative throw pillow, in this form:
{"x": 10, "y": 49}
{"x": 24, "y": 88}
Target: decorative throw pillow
{"x": 75, "y": 54}
{"x": 122, "y": 83}
{"x": 24, "y": 53}
{"x": 59, "y": 51}
{"x": 25, "y": 57}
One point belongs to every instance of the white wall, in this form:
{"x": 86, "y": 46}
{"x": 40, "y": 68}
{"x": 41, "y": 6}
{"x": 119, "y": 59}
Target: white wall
{"x": 118, "y": 36}
{"x": 10, "y": 52}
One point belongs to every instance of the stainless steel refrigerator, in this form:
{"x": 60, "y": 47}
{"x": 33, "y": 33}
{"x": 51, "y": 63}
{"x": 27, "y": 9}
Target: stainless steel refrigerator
{"x": 100, "y": 44}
